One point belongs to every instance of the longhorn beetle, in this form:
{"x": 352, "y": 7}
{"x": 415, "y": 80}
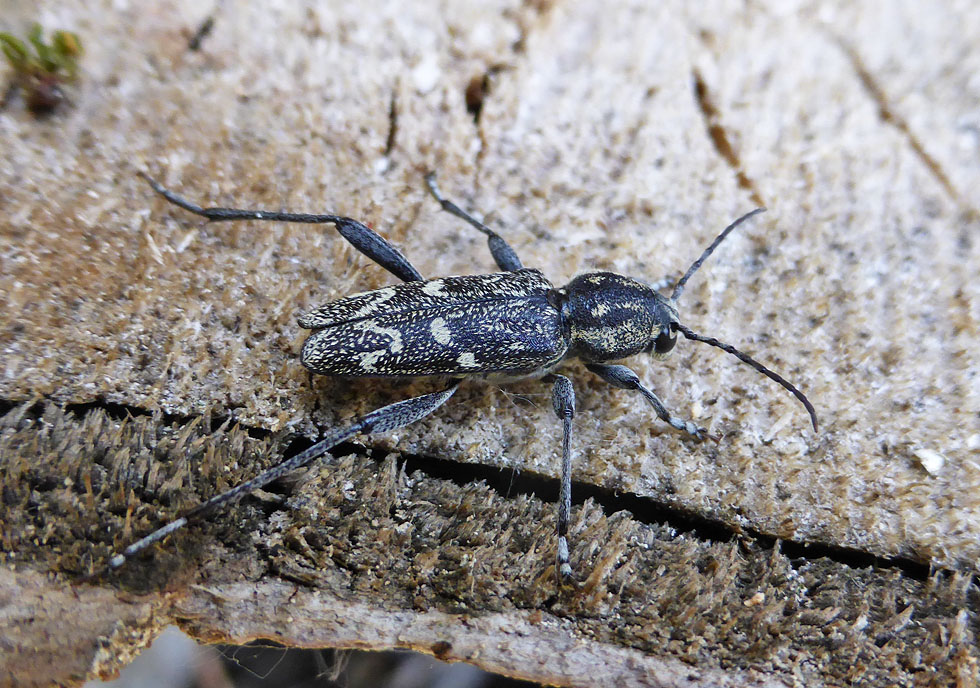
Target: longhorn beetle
{"x": 501, "y": 326}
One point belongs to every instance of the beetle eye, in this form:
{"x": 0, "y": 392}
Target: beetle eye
{"x": 664, "y": 342}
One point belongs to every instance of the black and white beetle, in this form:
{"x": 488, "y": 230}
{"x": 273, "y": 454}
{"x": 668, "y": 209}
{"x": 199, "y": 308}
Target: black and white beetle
{"x": 501, "y": 326}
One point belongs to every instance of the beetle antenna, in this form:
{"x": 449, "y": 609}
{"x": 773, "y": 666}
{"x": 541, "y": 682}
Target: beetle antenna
{"x": 745, "y": 358}
{"x": 679, "y": 287}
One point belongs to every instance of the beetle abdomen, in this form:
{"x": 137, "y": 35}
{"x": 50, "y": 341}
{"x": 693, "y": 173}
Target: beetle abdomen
{"x": 476, "y": 324}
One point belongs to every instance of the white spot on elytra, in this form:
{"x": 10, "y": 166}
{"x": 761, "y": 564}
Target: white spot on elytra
{"x": 376, "y": 300}
{"x": 392, "y": 333}
{"x": 434, "y": 288}
{"x": 440, "y": 331}
{"x": 467, "y": 360}
{"x": 369, "y": 358}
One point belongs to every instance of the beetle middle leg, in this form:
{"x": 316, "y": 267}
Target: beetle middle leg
{"x": 359, "y": 235}
{"x": 503, "y": 255}
{"x": 624, "y": 378}
{"x": 563, "y": 402}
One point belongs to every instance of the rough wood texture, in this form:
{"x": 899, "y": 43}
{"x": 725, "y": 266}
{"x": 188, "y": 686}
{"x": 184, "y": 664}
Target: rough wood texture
{"x": 615, "y": 138}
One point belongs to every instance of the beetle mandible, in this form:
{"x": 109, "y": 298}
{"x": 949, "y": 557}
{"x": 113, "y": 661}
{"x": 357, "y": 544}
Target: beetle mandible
{"x": 501, "y": 326}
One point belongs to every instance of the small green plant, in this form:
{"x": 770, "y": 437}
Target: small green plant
{"x": 41, "y": 73}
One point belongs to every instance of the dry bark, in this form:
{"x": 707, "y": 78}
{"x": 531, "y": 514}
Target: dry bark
{"x": 151, "y": 360}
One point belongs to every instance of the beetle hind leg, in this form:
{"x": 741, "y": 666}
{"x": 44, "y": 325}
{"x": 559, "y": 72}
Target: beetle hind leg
{"x": 359, "y": 235}
{"x": 384, "y": 419}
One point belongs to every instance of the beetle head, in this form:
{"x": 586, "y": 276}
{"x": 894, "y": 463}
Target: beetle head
{"x": 612, "y": 316}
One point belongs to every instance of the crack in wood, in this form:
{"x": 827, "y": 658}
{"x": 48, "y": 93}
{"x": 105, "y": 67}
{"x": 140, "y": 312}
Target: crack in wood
{"x": 890, "y": 116}
{"x": 720, "y": 138}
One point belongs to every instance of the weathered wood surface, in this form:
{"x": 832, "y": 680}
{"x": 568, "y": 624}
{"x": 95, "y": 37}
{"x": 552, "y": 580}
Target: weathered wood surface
{"x": 604, "y": 137}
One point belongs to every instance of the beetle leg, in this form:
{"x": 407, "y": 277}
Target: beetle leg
{"x": 563, "y": 401}
{"x": 505, "y": 257}
{"x": 624, "y": 378}
{"x": 360, "y": 236}
{"x": 383, "y": 419}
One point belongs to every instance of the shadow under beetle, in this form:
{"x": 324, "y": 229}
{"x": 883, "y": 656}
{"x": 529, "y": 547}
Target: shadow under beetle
{"x": 501, "y": 326}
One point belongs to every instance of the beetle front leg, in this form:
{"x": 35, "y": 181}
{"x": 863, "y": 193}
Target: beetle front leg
{"x": 624, "y": 378}
{"x": 563, "y": 401}
{"x": 360, "y": 236}
{"x": 503, "y": 255}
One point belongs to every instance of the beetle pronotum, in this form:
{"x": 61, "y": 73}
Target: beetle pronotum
{"x": 500, "y": 326}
